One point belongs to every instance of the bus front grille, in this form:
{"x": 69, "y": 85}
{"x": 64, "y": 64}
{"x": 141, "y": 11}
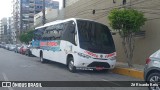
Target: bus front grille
{"x": 99, "y": 64}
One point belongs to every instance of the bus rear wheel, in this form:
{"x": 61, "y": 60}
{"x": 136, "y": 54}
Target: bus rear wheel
{"x": 41, "y": 58}
{"x": 71, "y": 66}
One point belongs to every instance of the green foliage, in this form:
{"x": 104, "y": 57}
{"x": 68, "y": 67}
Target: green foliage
{"x": 26, "y": 37}
{"x": 126, "y": 20}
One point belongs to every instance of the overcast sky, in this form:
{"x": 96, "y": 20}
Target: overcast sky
{"x": 6, "y": 7}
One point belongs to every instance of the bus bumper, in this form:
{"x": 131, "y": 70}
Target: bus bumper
{"x": 98, "y": 64}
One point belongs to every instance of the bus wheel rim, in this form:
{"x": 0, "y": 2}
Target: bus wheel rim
{"x": 71, "y": 65}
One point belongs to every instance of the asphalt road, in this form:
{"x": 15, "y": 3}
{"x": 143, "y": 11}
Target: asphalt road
{"x": 17, "y": 67}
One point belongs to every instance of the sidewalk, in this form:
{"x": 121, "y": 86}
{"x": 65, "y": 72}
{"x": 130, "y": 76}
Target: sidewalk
{"x": 123, "y": 69}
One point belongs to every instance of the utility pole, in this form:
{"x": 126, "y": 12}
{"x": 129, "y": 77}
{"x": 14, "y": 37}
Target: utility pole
{"x": 64, "y": 3}
{"x": 44, "y": 17}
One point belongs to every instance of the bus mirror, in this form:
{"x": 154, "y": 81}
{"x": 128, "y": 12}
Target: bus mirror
{"x": 75, "y": 38}
{"x": 73, "y": 31}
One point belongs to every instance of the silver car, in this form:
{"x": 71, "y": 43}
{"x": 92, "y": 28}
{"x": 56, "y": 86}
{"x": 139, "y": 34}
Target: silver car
{"x": 12, "y": 47}
{"x": 152, "y": 70}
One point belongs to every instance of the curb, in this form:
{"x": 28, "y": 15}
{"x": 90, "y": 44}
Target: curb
{"x": 129, "y": 72}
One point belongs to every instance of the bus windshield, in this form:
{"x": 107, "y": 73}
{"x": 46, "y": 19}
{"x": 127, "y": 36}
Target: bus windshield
{"x": 95, "y": 37}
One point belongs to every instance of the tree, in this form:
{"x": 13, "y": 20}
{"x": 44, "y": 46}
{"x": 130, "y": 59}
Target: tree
{"x": 26, "y": 37}
{"x": 127, "y": 22}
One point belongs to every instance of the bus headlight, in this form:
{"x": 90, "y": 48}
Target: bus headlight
{"x": 113, "y": 58}
{"x": 84, "y": 55}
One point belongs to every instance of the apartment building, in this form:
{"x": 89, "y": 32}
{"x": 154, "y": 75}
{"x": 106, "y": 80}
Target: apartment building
{"x": 3, "y": 29}
{"x": 24, "y": 11}
{"x": 9, "y": 31}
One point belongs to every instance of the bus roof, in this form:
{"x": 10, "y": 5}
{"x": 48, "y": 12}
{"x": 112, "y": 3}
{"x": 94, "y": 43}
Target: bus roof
{"x": 61, "y": 21}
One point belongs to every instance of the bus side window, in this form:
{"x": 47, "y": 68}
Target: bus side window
{"x": 58, "y": 31}
{"x": 38, "y": 34}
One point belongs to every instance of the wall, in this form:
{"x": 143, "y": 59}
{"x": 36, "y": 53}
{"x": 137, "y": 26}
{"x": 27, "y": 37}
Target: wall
{"x": 144, "y": 45}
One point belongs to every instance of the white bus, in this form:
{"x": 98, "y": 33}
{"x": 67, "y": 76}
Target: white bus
{"x": 77, "y": 43}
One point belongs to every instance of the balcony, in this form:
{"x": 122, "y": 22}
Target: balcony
{"x": 31, "y": 14}
{"x": 31, "y": 4}
{"x": 31, "y": 19}
{"x": 31, "y": 9}
{"x": 31, "y": 1}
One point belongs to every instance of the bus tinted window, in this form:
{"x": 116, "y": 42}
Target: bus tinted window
{"x": 68, "y": 33}
{"x": 95, "y": 37}
{"x": 53, "y": 32}
{"x": 38, "y": 33}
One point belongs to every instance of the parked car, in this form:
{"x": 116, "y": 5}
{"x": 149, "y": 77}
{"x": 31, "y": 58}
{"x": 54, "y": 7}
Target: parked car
{"x": 7, "y": 46}
{"x": 23, "y": 49}
{"x": 28, "y": 51}
{"x": 12, "y": 47}
{"x": 17, "y": 48}
{"x": 152, "y": 70}
{"x": 1, "y": 45}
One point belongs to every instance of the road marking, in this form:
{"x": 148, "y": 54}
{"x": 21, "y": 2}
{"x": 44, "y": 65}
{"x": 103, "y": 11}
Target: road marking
{"x": 6, "y": 79}
{"x": 111, "y": 82}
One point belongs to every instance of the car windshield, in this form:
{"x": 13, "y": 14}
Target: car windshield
{"x": 95, "y": 37}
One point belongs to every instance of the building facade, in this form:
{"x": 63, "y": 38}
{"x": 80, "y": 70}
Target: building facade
{"x": 50, "y": 15}
{"x": 69, "y": 2}
{"x": 145, "y": 45}
{"x": 24, "y": 11}
{"x": 3, "y": 30}
{"x": 9, "y": 31}
{"x": 13, "y": 31}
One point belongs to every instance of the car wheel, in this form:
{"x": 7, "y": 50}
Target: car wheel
{"x": 26, "y": 53}
{"x": 29, "y": 53}
{"x": 71, "y": 66}
{"x": 154, "y": 77}
{"x": 41, "y": 58}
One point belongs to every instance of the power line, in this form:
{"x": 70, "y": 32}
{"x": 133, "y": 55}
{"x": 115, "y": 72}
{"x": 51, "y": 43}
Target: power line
{"x": 157, "y": 13}
{"x": 153, "y": 19}
{"x": 119, "y": 6}
{"x": 140, "y": 2}
{"x": 86, "y": 6}
{"x": 148, "y": 8}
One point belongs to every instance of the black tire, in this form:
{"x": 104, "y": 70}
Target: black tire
{"x": 152, "y": 77}
{"x": 70, "y": 65}
{"x": 42, "y": 60}
{"x": 28, "y": 53}
{"x": 105, "y": 70}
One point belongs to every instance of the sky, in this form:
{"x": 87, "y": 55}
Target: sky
{"x": 6, "y": 8}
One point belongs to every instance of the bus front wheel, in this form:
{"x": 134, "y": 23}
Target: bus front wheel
{"x": 71, "y": 66}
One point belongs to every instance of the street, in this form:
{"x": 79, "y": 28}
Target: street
{"x": 17, "y": 67}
